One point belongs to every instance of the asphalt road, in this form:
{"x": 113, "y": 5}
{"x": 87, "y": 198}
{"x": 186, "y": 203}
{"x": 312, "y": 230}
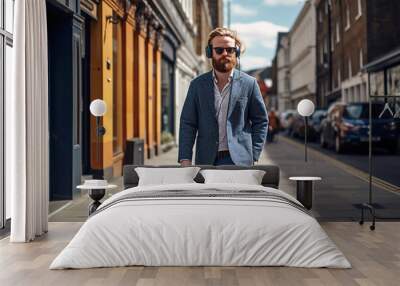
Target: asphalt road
{"x": 384, "y": 165}
{"x": 343, "y": 187}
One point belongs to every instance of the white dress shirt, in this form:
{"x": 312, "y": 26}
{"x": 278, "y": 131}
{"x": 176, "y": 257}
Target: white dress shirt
{"x": 221, "y": 103}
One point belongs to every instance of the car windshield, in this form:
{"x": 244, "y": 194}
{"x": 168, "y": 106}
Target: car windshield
{"x": 318, "y": 114}
{"x": 361, "y": 111}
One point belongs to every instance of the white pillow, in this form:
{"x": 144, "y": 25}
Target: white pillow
{"x": 164, "y": 176}
{"x": 248, "y": 177}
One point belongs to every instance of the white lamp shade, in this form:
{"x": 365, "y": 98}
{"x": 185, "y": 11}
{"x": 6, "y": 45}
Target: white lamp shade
{"x": 305, "y": 107}
{"x": 98, "y": 107}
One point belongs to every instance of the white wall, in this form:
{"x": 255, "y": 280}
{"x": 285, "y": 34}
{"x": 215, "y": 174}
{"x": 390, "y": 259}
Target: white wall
{"x": 283, "y": 74}
{"x": 303, "y": 54}
{"x": 355, "y": 89}
{"x": 183, "y": 75}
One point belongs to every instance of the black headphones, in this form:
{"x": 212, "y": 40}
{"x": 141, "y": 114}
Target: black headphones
{"x": 209, "y": 49}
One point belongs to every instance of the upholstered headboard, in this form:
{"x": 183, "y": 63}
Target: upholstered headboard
{"x": 270, "y": 179}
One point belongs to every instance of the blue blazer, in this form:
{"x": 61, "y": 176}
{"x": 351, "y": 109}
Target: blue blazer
{"x": 246, "y": 124}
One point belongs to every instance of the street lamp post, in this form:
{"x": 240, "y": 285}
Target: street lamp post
{"x": 98, "y": 108}
{"x": 304, "y": 190}
{"x": 97, "y": 188}
{"x": 305, "y": 108}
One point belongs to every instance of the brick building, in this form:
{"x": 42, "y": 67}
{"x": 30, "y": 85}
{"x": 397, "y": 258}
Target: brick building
{"x": 204, "y": 25}
{"x": 351, "y": 33}
{"x": 216, "y": 11}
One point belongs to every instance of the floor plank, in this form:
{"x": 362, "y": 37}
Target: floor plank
{"x": 375, "y": 257}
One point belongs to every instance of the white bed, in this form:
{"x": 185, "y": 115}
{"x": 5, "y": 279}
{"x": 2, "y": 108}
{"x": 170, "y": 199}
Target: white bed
{"x": 207, "y": 230}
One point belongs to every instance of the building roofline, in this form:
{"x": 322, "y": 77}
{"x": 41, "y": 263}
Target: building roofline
{"x": 307, "y": 5}
{"x": 278, "y": 42}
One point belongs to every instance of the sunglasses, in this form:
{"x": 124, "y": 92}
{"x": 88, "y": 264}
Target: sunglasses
{"x": 229, "y": 50}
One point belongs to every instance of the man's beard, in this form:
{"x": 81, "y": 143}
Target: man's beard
{"x": 224, "y": 64}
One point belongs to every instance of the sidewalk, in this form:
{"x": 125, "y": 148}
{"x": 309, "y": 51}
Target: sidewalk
{"x": 77, "y": 209}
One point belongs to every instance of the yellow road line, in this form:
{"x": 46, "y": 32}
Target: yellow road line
{"x": 377, "y": 182}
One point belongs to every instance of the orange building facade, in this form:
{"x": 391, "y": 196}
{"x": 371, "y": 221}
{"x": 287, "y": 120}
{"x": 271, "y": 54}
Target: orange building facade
{"x": 125, "y": 73}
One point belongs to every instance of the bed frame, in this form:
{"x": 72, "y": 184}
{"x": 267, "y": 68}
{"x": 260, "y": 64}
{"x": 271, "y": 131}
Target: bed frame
{"x": 270, "y": 179}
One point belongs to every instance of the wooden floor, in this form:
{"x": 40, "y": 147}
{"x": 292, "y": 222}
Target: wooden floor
{"x": 375, "y": 257}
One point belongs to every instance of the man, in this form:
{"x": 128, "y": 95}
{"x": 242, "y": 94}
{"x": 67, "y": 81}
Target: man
{"x": 274, "y": 125}
{"x": 224, "y": 108}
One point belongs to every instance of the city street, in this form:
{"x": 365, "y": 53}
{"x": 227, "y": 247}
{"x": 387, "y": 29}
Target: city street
{"x": 343, "y": 186}
{"x": 385, "y": 166}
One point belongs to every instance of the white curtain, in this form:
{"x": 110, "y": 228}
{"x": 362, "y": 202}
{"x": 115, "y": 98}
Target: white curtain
{"x": 27, "y": 140}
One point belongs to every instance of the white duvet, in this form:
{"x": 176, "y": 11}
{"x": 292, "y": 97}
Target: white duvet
{"x": 200, "y": 231}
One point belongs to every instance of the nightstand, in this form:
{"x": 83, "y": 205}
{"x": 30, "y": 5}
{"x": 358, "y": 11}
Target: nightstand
{"x": 96, "y": 193}
{"x": 304, "y": 191}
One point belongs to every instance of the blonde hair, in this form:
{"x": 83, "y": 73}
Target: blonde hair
{"x": 225, "y": 32}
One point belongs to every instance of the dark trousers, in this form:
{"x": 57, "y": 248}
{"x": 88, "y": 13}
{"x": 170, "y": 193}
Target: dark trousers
{"x": 223, "y": 158}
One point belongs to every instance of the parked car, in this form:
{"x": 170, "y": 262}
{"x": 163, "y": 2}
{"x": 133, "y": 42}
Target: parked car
{"x": 316, "y": 120}
{"x": 314, "y": 125}
{"x": 298, "y": 127}
{"x": 286, "y": 119}
{"x": 348, "y": 124}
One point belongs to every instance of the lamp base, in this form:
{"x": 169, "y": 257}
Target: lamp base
{"x": 96, "y": 195}
{"x": 304, "y": 193}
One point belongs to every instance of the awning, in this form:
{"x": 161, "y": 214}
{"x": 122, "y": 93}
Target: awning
{"x": 388, "y": 60}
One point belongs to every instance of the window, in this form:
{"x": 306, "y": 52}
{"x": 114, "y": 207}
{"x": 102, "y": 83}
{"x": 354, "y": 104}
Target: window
{"x": 377, "y": 83}
{"x": 320, "y": 16}
{"x": 167, "y": 97}
{"x": 337, "y": 33}
{"x": 361, "y": 59}
{"x": 7, "y": 84}
{"x": 339, "y": 81}
{"x": 332, "y": 42}
{"x": 287, "y": 83}
{"x": 350, "y": 70}
{"x": 321, "y": 54}
{"x": 6, "y": 64}
{"x": 359, "y": 9}
{"x": 393, "y": 80}
{"x": 188, "y": 9}
{"x": 361, "y": 111}
{"x": 3, "y": 207}
{"x": 8, "y": 13}
{"x": 347, "y": 18}
{"x": 117, "y": 89}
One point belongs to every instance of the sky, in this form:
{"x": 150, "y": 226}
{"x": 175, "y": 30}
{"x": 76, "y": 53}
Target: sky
{"x": 257, "y": 23}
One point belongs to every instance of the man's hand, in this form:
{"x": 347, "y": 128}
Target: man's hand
{"x": 185, "y": 163}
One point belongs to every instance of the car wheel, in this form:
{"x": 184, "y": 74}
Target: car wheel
{"x": 339, "y": 147}
{"x": 322, "y": 141}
